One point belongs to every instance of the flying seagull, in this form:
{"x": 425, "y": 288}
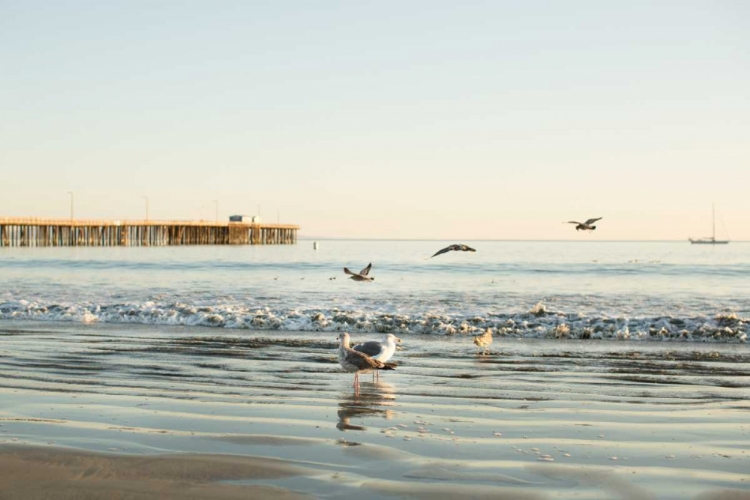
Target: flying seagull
{"x": 457, "y": 248}
{"x": 379, "y": 351}
{"x": 585, "y": 226}
{"x": 363, "y": 274}
{"x": 483, "y": 341}
{"x": 354, "y": 361}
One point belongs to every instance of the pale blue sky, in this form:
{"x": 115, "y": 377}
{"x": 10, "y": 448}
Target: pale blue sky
{"x": 453, "y": 120}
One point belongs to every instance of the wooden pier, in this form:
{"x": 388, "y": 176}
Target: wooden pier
{"x": 33, "y": 232}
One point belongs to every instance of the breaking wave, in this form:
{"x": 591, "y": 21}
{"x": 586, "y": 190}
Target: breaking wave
{"x": 538, "y": 322}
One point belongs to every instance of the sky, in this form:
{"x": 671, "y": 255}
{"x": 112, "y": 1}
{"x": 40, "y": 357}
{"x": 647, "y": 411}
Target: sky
{"x": 435, "y": 119}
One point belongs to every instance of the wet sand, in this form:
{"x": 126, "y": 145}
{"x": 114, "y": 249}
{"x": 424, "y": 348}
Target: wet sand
{"x": 46, "y": 472}
{"x": 103, "y": 411}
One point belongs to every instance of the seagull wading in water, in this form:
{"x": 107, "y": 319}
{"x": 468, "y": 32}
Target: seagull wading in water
{"x": 483, "y": 341}
{"x": 458, "y": 247}
{"x": 354, "y": 361}
{"x": 585, "y": 226}
{"x": 363, "y": 274}
{"x": 379, "y": 351}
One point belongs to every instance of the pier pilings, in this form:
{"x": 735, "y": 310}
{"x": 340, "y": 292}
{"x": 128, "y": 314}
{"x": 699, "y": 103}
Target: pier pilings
{"x": 33, "y": 232}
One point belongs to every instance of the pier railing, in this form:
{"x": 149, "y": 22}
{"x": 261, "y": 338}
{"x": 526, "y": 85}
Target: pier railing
{"x": 37, "y": 232}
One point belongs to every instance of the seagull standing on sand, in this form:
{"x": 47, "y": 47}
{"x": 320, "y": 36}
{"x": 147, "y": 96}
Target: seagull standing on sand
{"x": 354, "y": 361}
{"x": 585, "y": 226}
{"x": 363, "y": 274}
{"x": 379, "y": 351}
{"x": 456, "y": 248}
{"x": 483, "y": 341}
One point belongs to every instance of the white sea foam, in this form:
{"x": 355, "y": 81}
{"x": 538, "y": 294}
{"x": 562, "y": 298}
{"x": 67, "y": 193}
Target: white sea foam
{"x": 721, "y": 327}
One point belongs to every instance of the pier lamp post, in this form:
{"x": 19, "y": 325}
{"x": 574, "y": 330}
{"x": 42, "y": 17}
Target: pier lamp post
{"x": 216, "y": 206}
{"x": 146, "y": 198}
{"x": 71, "y": 204}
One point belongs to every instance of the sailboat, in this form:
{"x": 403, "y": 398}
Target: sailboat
{"x": 712, "y": 240}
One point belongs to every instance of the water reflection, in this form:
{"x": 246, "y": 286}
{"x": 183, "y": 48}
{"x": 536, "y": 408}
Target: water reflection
{"x": 375, "y": 399}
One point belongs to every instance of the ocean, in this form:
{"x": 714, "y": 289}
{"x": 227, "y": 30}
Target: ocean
{"x": 116, "y": 362}
{"x": 520, "y": 289}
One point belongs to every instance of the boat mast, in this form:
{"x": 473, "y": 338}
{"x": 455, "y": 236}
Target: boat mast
{"x": 713, "y": 222}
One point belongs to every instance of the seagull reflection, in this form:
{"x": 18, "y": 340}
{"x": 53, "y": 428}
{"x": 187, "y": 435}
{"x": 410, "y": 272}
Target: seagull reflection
{"x": 374, "y": 400}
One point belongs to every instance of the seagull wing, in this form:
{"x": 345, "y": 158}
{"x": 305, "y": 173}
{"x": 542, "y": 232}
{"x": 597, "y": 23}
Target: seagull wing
{"x": 366, "y": 271}
{"x": 571, "y": 222}
{"x": 361, "y": 360}
{"x": 591, "y": 221}
{"x": 371, "y": 348}
{"x": 444, "y": 250}
{"x": 347, "y": 271}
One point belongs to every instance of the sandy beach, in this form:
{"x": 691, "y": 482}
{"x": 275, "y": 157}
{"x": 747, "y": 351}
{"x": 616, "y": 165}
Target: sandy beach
{"x": 113, "y": 411}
